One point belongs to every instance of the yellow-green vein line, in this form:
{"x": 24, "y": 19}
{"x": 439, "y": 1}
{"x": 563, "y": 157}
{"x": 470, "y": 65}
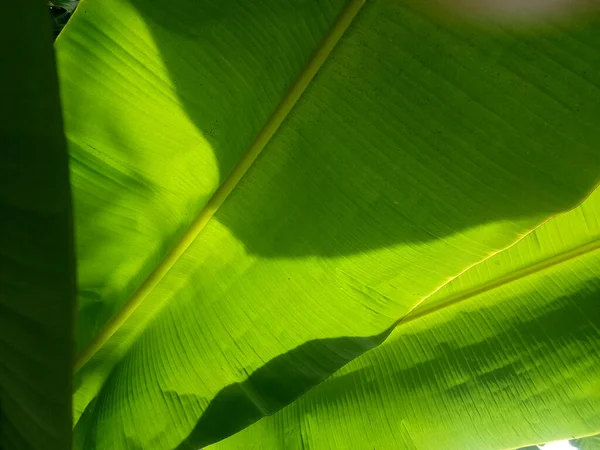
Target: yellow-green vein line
{"x": 253, "y": 151}
{"x": 516, "y": 275}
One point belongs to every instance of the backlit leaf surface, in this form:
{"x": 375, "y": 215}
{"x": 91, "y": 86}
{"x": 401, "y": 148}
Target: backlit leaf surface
{"x": 419, "y": 148}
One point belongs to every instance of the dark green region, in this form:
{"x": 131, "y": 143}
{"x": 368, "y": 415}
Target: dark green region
{"x": 61, "y": 11}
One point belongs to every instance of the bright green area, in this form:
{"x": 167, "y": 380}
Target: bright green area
{"x": 515, "y": 365}
{"x": 419, "y": 149}
{"x": 159, "y": 105}
{"x": 37, "y": 282}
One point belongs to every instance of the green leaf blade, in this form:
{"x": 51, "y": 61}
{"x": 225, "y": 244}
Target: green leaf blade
{"x": 37, "y": 269}
{"x": 373, "y": 193}
{"x": 513, "y": 365}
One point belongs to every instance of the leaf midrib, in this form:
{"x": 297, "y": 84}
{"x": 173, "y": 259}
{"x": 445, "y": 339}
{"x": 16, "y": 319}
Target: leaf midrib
{"x": 498, "y": 282}
{"x": 278, "y": 116}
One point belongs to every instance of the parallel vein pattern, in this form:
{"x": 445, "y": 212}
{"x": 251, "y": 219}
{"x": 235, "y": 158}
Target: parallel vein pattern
{"x": 511, "y": 364}
{"x": 221, "y": 194}
{"x": 435, "y": 304}
{"x": 372, "y": 193}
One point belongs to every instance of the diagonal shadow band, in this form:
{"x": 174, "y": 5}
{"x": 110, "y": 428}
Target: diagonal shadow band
{"x": 468, "y": 367}
{"x": 411, "y": 147}
{"x": 265, "y": 391}
{"x": 275, "y": 385}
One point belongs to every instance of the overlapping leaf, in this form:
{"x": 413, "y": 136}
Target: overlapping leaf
{"x": 37, "y": 283}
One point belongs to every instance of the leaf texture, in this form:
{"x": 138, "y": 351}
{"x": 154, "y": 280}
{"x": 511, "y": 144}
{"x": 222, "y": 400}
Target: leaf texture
{"x": 418, "y": 149}
{"x": 509, "y": 364}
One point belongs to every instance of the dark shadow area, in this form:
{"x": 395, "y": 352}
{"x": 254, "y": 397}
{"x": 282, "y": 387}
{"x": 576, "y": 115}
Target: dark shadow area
{"x": 60, "y": 12}
{"x": 37, "y": 267}
{"x": 411, "y": 132}
{"x": 10, "y": 436}
{"x": 265, "y": 391}
{"x": 232, "y": 62}
{"x": 275, "y": 385}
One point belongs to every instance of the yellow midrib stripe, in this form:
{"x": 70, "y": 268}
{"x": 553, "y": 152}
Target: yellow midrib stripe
{"x": 221, "y": 194}
{"x": 496, "y": 283}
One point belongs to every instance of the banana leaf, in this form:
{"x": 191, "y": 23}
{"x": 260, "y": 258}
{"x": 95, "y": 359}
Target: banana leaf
{"x": 37, "y": 282}
{"x": 263, "y": 191}
{"x": 505, "y": 355}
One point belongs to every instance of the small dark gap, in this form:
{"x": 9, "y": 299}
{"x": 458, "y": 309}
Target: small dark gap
{"x": 60, "y": 12}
